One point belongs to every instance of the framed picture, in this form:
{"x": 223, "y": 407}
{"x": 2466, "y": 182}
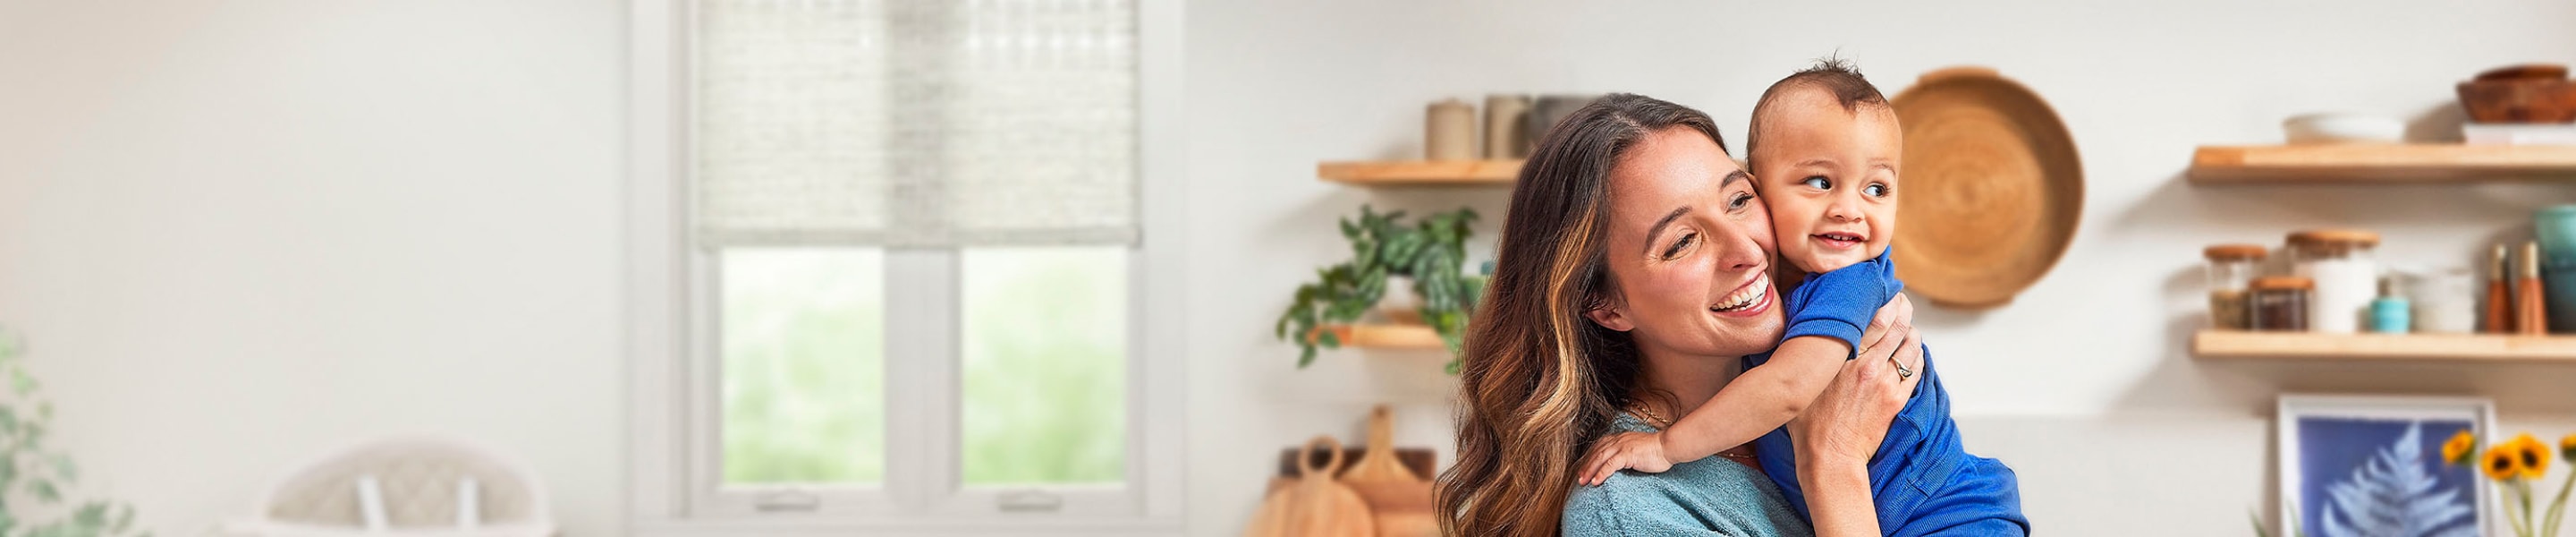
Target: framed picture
{"x": 2372, "y": 465}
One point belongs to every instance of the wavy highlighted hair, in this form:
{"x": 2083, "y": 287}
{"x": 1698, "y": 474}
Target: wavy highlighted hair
{"x": 1541, "y": 381}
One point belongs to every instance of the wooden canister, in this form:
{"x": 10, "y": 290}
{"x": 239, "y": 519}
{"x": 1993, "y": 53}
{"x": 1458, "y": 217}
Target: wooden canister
{"x": 1507, "y": 126}
{"x": 1449, "y": 131}
{"x": 1551, "y": 109}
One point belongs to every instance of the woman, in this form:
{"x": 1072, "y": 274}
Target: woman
{"x": 1628, "y": 224}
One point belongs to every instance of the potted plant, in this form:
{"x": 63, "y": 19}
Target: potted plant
{"x": 31, "y": 471}
{"x": 1430, "y": 253}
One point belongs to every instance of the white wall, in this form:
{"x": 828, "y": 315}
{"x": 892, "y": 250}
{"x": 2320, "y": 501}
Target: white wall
{"x": 2083, "y": 384}
{"x": 239, "y": 234}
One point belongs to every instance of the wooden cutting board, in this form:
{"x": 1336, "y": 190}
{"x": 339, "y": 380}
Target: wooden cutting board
{"x": 1316, "y": 504}
{"x": 1417, "y": 459}
{"x": 1400, "y": 500}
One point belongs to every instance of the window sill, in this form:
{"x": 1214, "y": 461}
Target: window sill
{"x": 910, "y": 525}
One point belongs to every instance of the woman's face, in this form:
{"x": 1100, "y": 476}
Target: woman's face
{"x": 1690, "y": 251}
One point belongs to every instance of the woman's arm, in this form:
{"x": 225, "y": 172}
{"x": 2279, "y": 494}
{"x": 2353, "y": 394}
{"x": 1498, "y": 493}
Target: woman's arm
{"x": 1842, "y": 429}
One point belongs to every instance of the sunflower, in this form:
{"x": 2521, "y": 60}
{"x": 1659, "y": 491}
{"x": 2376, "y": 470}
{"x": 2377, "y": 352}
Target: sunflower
{"x": 2531, "y": 455}
{"x": 2567, "y": 448}
{"x": 2461, "y": 446}
{"x": 2501, "y": 465}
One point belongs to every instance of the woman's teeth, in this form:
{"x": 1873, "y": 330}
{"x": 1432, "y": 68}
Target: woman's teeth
{"x": 1746, "y": 297}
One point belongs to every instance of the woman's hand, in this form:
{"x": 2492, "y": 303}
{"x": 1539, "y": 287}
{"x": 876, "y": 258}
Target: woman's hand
{"x": 1643, "y": 452}
{"x": 1850, "y": 418}
{"x": 1841, "y": 430}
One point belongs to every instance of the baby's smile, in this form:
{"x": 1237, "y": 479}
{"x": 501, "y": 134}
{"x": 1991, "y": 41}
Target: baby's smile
{"x": 1840, "y": 240}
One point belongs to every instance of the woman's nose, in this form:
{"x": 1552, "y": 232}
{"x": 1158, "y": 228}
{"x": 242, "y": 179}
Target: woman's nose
{"x": 1738, "y": 250}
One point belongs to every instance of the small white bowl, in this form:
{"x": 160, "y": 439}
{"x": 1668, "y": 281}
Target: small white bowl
{"x": 2343, "y": 129}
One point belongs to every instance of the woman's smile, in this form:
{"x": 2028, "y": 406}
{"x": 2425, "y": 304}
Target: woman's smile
{"x": 1752, "y": 299}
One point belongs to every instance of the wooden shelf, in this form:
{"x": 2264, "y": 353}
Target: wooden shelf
{"x": 2381, "y": 163}
{"x": 1388, "y": 336}
{"x": 2234, "y": 345}
{"x": 1420, "y": 172}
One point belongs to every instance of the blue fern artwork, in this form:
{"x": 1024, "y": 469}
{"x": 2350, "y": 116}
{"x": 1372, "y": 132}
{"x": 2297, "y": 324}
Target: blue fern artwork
{"x": 2383, "y": 478}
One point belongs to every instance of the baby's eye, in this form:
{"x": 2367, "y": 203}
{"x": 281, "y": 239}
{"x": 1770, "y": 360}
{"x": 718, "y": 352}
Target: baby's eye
{"x": 1875, "y": 190}
{"x": 1818, "y": 182}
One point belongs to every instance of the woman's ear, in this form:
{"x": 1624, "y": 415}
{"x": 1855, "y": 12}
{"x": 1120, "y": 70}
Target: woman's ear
{"x": 1608, "y": 316}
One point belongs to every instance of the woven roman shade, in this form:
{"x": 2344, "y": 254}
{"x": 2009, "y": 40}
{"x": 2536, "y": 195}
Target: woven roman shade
{"x": 914, "y": 123}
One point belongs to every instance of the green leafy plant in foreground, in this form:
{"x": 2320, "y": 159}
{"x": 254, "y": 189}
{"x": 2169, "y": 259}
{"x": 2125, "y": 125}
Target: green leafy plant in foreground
{"x": 35, "y": 479}
{"x": 1433, "y": 252}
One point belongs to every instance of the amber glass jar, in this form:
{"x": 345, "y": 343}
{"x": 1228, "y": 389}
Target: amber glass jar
{"x": 2279, "y": 303}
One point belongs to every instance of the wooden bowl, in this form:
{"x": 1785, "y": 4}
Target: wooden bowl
{"x": 1991, "y": 190}
{"x": 2519, "y": 100}
{"x": 2550, "y": 71}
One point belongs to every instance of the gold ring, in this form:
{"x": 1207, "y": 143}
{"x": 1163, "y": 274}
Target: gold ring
{"x": 1901, "y": 372}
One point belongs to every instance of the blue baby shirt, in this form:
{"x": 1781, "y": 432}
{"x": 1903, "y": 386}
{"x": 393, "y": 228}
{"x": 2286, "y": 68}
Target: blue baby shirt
{"x": 1923, "y": 482}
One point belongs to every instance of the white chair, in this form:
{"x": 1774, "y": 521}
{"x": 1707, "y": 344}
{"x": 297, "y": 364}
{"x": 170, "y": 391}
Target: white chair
{"x": 405, "y": 486}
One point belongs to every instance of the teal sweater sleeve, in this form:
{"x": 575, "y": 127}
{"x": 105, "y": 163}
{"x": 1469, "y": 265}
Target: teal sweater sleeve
{"x": 1839, "y": 304}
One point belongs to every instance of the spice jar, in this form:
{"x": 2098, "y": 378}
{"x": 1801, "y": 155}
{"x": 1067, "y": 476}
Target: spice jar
{"x": 2343, "y": 265}
{"x": 2231, "y": 266}
{"x": 2279, "y": 303}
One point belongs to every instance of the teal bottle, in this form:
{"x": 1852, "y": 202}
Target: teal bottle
{"x": 2390, "y": 313}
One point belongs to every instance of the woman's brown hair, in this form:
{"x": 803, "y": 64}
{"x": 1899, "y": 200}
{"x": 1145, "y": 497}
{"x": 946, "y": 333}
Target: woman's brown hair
{"x": 1541, "y": 382}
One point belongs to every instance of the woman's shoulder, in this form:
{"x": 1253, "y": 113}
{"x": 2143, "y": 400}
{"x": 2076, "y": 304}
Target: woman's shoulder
{"x": 1705, "y": 497}
{"x": 1712, "y": 496}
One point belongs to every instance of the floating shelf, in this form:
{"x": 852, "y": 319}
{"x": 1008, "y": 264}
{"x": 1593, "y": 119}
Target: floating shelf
{"x": 2381, "y": 163}
{"x": 1421, "y": 172}
{"x": 2234, "y": 345}
{"x": 1388, "y": 336}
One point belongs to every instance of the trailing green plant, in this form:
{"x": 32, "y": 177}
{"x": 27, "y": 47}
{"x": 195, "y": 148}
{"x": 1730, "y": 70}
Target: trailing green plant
{"x": 31, "y": 471}
{"x": 1432, "y": 251}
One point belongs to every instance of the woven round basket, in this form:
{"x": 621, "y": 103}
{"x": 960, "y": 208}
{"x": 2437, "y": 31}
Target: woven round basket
{"x": 1991, "y": 188}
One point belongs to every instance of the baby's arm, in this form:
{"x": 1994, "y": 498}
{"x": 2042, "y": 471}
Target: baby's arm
{"x": 1761, "y": 399}
{"x": 1644, "y": 452}
{"x": 1824, "y": 332}
{"x": 1838, "y": 306}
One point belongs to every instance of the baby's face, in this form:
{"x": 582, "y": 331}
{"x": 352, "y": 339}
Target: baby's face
{"x": 1829, "y": 177}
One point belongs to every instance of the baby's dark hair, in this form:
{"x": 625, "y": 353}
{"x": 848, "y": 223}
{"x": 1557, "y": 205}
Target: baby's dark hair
{"x": 1832, "y": 74}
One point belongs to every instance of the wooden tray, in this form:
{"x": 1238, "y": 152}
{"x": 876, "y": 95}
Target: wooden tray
{"x": 1991, "y": 190}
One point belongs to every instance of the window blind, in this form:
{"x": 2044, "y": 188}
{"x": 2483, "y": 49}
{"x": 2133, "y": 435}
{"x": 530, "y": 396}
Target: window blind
{"x": 915, "y": 123}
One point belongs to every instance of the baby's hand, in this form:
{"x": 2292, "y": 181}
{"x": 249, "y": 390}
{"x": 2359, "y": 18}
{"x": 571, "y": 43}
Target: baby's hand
{"x": 1643, "y": 452}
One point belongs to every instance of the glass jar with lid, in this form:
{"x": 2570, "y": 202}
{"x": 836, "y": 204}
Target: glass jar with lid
{"x": 2279, "y": 303}
{"x": 2231, "y": 267}
{"x": 2344, "y": 267}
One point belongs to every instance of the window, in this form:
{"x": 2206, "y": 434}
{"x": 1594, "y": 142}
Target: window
{"x": 1044, "y": 380}
{"x": 802, "y": 332}
{"x": 885, "y": 262}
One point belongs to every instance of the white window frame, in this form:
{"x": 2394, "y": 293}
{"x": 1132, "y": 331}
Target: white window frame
{"x": 673, "y": 370}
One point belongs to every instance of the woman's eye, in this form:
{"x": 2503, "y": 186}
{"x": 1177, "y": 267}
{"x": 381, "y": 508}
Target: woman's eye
{"x": 1740, "y": 200}
{"x": 1875, "y": 190}
{"x": 1676, "y": 249}
{"x": 1818, "y": 182}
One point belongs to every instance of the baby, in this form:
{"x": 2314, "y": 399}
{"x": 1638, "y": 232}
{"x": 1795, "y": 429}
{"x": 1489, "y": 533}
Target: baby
{"x": 1824, "y": 148}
